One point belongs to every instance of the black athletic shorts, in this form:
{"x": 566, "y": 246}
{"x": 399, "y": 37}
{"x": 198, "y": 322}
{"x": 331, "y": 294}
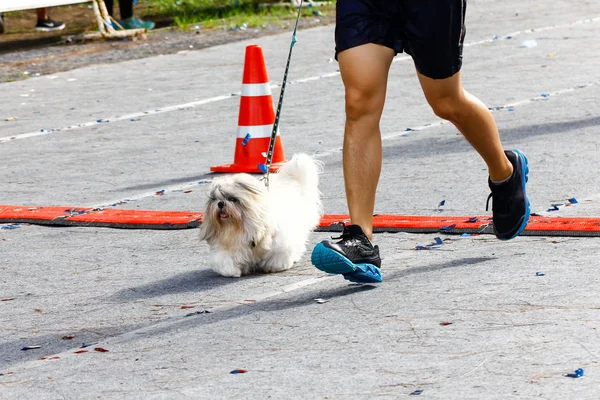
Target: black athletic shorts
{"x": 431, "y": 31}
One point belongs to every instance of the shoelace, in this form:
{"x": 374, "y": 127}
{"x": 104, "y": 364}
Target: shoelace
{"x": 345, "y": 235}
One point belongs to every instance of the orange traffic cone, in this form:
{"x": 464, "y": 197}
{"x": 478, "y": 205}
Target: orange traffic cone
{"x": 256, "y": 119}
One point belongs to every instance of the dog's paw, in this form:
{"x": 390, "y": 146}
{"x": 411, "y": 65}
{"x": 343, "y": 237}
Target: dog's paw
{"x": 277, "y": 263}
{"x": 228, "y": 272}
{"x": 225, "y": 266}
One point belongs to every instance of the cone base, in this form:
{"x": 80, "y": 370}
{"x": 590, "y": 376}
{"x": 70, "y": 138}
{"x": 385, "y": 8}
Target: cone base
{"x": 248, "y": 169}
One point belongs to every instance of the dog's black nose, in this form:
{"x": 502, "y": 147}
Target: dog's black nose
{"x": 221, "y": 204}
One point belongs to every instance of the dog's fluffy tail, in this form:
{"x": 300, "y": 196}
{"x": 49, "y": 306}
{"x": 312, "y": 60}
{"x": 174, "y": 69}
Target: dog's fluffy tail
{"x": 303, "y": 169}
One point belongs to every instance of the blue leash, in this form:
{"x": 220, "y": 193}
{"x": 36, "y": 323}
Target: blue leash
{"x": 269, "y": 161}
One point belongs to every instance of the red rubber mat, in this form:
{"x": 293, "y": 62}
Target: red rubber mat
{"x": 148, "y": 219}
{"x": 110, "y": 217}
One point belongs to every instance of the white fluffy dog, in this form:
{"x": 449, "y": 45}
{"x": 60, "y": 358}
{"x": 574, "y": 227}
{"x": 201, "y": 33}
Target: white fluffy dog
{"x": 251, "y": 228}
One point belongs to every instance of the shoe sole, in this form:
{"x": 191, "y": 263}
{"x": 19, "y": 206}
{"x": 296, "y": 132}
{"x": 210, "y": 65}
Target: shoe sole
{"x": 524, "y": 180}
{"x": 332, "y": 262}
{"x": 50, "y": 29}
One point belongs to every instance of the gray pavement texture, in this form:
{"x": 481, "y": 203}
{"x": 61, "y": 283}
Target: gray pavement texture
{"x": 471, "y": 320}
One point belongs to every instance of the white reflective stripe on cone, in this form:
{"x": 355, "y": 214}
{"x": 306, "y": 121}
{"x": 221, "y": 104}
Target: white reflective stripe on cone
{"x": 256, "y": 132}
{"x": 256, "y": 89}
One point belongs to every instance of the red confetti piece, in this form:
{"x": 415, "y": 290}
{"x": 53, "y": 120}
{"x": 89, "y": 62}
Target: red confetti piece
{"x": 68, "y": 337}
{"x": 54, "y": 358}
{"x": 81, "y": 351}
{"x": 186, "y": 307}
{"x": 446, "y": 323}
{"x": 8, "y": 299}
{"x": 100, "y": 349}
{"x": 188, "y": 191}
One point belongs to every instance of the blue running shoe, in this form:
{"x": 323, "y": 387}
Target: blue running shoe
{"x": 510, "y": 205}
{"x": 354, "y": 256}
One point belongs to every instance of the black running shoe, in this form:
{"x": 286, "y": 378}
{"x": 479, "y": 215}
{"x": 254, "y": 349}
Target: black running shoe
{"x": 353, "y": 256}
{"x": 48, "y": 25}
{"x": 510, "y": 205}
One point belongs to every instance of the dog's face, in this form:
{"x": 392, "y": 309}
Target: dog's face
{"x": 235, "y": 203}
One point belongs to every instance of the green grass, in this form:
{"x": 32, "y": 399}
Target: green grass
{"x": 227, "y": 14}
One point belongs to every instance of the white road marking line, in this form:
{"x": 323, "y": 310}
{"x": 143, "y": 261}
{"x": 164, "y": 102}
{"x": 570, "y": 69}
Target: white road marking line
{"x": 116, "y": 119}
{"x": 338, "y": 150}
{"x": 273, "y": 86}
{"x": 544, "y": 97}
{"x": 143, "y": 195}
{"x": 172, "y": 322}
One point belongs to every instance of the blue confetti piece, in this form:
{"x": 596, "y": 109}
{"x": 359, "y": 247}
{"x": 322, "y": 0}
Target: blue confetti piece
{"x": 509, "y": 37}
{"x": 408, "y": 129}
{"x": 473, "y": 219}
{"x": 263, "y": 168}
{"x": 436, "y": 245}
{"x": 573, "y": 200}
{"x": 540, "y": 274}
{"x": 495, "y": 37}
{"x": 553, "y": 208}
{"x": 246, "y": 139}
{"x": 465, "y": 235}
{"x": 447, "y": 228}
{"x": 238, "y": 371}
{"x": 578, "y": 373}
{"x": 442, "y": 203}
{"x": 544, "y": 95}
{"x": 510, "y": 109}
{"x": 9, "y": 227}
{"x": 416, "y": 392}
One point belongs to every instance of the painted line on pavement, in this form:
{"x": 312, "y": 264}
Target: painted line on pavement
{"x": 170, "y": 323}
{"x": 193, "y": 104}
{"x": 116, "y": 119}
{"x": 337, "y": 150}
{"x": 542, "y": 97}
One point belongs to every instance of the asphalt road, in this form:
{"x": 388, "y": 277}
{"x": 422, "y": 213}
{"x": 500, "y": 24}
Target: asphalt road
{"x": 475, "y": 319}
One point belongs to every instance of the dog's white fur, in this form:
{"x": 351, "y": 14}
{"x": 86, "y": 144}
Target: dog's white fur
{"x": 260, "y": 229}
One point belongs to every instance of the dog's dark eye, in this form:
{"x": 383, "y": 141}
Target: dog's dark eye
{"x": 232, "y": 199}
